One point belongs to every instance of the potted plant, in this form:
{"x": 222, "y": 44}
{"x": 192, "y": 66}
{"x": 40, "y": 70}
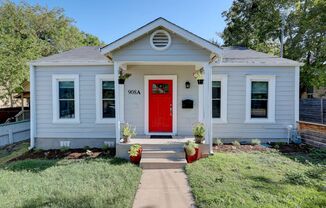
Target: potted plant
{"x": 199, "y": 75}
{"x": 135, "y": 152}
{"x": 192, "y": 151}
{"x": 127, "y": 133}
{"x": 199, "y": 132}
{"x": 123, "y": 76}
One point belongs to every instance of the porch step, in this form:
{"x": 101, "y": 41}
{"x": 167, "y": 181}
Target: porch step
{"x": 162, "y": 163}
{"x": 162, "y": 147}
{"x": 178, "y": 153}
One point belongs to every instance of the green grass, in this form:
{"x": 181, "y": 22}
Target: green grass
{"x": 257, "y": 180}
{"x": 12, "y": 151}
{"x": 67, "y": 183}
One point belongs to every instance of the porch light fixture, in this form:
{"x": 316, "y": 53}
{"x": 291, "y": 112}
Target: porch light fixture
{"x": 187, "y": 84}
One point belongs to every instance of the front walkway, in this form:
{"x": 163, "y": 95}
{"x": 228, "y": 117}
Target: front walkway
{"x": 163, "y": 188}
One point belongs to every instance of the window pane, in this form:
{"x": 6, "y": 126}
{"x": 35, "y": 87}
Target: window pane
{"x": 67, "y": 108}
{"x": 216, "y": 108}
{"x": 259, "y": 87}
{"x": 108, "y": 108}
{"x": 66, "y": 90}
{"x": 108, "y": 89}
{"x": 160, "y": 88}
{"x": 216, "y": 91}
{"x": 259, "y": 108}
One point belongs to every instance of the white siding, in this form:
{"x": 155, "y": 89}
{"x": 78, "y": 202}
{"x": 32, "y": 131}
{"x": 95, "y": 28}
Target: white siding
{"x": 87, "y": 128}
{"x": 134, "y": 104}
{"x": 179, "y": 50}
{"x": 284, "y": 109}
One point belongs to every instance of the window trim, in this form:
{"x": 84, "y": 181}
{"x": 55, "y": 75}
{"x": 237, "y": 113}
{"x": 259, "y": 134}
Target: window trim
{"x": 223, "y": 78}
{"x": 55, "y": 98}
{"x": 271, "y": 98}
{"x": 99, "y": 78}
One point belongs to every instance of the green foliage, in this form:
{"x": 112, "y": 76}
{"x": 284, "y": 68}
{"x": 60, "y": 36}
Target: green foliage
{"x": 256, "y": 24}
{"x": 236, "y": 143}
{"x": 199, "y": 130}
{"x": 64, "y": 149}
{"x": 69, "y": 183}
{"x": 255, "y": 142}
{"x": 190, "y": 148}
{"x": 217, "y": 141}
{"x": 128, "y": 131}
{"x": 29, "y": 32}
{"x": 246, "y": 180}
{"x": 134, "y": 150}
{"x": 105, "y": 147}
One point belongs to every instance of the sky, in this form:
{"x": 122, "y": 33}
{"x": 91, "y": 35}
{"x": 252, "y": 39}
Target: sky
{"x": 112, "y": 19}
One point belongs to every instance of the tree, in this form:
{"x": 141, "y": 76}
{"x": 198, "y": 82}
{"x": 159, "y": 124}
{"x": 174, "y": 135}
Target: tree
{"x": 29, "y": 32}
{"x": 256, "y": 24}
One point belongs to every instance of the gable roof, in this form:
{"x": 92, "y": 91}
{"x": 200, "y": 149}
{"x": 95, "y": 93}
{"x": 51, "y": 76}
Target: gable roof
{"x": 87, "y": 55}
{"x": 161, "y": 22}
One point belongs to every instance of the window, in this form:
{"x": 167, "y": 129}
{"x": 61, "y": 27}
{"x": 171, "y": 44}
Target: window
{"x": 260, "y": 98}
{"x": 160, "y": 88}
{"x": 105, "y": 98}
{"x": 219, "y": 98}
{"x": 65, "y": 89}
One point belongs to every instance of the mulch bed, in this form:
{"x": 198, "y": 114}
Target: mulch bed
{"x": 241, "y": 148}
{"x": 68, "y": 154}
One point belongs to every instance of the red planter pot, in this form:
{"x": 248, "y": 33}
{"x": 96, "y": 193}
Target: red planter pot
{"x": 194, "y": 157}
{"x": 136, "y": 159}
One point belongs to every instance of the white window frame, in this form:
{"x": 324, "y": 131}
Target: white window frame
{"x": 271, "y": 98}
{"x": 99, "y": 78}
{"x": 223, "y": 78}
{"x": 55, "y": 97}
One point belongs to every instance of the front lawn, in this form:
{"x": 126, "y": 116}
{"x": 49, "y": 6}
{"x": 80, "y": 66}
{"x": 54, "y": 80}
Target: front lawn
{"x": 68, "y": 183}
{"x": 258, "y": 179}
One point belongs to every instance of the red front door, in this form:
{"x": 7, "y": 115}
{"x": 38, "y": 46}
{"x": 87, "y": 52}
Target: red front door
{"x": 160, "y": 105}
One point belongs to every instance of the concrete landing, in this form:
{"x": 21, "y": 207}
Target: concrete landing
{"x": 163, "y": 188}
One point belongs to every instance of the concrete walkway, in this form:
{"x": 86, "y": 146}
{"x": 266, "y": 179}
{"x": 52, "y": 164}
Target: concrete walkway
{"x": 163, "y": 188}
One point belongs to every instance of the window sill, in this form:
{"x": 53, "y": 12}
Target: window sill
{"x": 259, "y": 121}
{"x": 105, "y": 121}
{"x": 219, "y": 121}
{"x": 66, "y": 121}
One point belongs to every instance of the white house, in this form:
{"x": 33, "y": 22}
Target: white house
{"x": 76, "y": 99}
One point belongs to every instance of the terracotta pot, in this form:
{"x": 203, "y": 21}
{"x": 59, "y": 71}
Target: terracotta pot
{"x": 194, "y": 157}
{"x": 199, "y": 139}
{"x": 121, "y": 81}
{"x": 136, "y": 159}
{"x": 200, "y": 81}
{"x": 126, "y": 139}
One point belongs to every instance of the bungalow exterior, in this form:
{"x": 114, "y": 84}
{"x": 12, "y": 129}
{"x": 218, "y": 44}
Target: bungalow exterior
{"x": 77, "y": 100}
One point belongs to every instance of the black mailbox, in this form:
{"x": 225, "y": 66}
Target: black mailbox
{"x": 188, "y": 103}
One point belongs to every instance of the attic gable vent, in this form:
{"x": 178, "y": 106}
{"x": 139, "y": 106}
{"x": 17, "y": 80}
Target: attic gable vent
{"x": 160, "y": 40}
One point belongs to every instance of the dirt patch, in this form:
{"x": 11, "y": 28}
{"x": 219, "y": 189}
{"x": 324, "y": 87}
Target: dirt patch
{"x": 68, "y": 154}
{"x": 241, "y": 148}
{"x": 292, "y": 148}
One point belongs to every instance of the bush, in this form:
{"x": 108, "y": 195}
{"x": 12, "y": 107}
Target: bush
{"x": 217, "y": 141}
{"x": 190, "y": 148}
{"x": 255, "y": 142}
{"x": 236, "y": 143}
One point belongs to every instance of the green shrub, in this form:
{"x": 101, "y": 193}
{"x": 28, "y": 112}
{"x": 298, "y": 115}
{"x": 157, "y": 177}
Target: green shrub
{"x": 236, "y": 143}
{"x": 297, "y": 178}
{"x": 255, "y": 142}
{"x": 105, "y": 147}
{"x": 134, "y": 150}
{"x": 217, "y": 141}
{"x": 64, "y": 149}
{"x": 190, "y": 148}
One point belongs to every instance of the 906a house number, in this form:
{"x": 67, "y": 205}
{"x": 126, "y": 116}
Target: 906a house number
{"x": 134, "y": 92}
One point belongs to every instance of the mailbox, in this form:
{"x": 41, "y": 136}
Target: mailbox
{"x": 188, "y": 104}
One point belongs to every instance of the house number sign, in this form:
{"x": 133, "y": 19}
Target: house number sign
{"x": 134, "y": 92}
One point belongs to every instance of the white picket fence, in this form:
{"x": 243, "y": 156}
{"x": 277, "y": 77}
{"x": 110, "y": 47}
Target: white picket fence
{"x": 14, "y": 132}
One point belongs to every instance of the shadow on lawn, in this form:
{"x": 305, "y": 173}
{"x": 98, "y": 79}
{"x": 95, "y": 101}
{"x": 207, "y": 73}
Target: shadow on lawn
{"x": 30, "y": 165}
{"x": 57, "y": 200}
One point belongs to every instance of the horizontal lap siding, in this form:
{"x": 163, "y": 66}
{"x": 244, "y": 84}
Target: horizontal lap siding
{"x": 179, "y": 50}
{"x": 284, "y": 109}
{"x": 87, "y": 128}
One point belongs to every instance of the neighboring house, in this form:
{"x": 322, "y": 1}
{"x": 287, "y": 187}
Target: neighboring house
{"x": 76, "y": 99}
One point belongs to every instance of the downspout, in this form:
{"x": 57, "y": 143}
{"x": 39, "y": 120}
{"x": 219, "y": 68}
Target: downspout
{"x": 32, "y": 106}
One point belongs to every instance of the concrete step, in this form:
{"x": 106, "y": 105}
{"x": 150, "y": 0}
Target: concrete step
{"x": 162, "y": 146}
{"x": 162, "y": 163}
{"x": 314, "y": 143}
{"x": 164, "y": 154}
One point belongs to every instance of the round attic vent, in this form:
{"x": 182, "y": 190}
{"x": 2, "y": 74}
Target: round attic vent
{"x": 160, "y": 40}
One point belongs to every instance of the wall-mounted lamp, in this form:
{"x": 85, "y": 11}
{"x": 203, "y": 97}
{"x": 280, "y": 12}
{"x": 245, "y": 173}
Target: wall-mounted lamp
{"x": 187, "y": 84}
